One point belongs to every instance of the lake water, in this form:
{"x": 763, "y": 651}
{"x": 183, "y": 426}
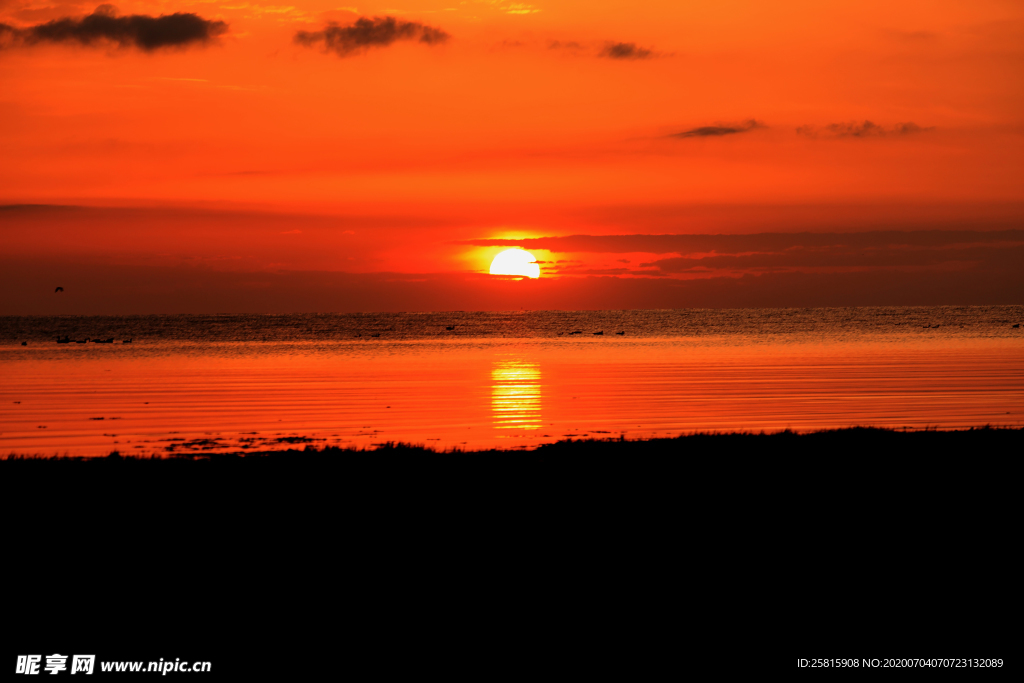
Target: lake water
{"x": 195, "y": 384}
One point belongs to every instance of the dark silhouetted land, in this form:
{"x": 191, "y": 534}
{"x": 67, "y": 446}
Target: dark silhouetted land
{"x": 846, "y": 543}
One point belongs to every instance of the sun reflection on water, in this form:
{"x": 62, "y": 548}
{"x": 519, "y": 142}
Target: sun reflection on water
{"x": 515, "y": 395}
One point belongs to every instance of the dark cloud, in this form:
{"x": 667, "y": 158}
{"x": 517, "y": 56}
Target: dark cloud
{"x": 136, "y": 30}
{"x": 366, "y": 33}
{"x": 625, "y": 51}
{"x": 865, "y": 129}
{"x": 716, "y": 131}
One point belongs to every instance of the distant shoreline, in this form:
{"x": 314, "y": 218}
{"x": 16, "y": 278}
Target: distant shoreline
{"x": 878, "y": 439}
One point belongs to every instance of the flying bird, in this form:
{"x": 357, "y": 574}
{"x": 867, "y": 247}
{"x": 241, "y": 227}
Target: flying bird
{"x": 59, "y": 289}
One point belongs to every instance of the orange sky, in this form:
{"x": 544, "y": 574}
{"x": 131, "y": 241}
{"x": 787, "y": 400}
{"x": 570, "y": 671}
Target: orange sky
{"x": 252, "y": 153}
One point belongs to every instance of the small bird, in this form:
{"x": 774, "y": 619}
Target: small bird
{"x": 59, "y": 289}
{"x": 450, "y": 327}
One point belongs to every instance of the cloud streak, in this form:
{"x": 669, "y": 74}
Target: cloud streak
{"x": 141, "y": 31}
{"x": 366, "y": 33}
{"x": 718, "y": 131}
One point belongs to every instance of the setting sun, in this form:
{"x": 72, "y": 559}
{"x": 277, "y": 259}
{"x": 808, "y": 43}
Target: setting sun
{"x": 515, "y": 262}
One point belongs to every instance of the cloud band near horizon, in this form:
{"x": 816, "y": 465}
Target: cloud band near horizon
{"x": 761, "y": 252}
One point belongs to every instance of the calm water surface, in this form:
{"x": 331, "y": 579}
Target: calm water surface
{"x": 191, "y": 384}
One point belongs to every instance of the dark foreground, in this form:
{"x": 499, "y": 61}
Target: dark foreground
{"x": 751, "y": 550}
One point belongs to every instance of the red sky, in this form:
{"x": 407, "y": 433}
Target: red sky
{"x": 250, "y": 171}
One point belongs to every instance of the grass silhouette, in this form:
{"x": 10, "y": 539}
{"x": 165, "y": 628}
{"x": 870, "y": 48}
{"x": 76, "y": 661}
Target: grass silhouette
{"x": 865, "y": 442}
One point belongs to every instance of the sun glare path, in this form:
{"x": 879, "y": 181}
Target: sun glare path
{"x": 515, "y": 262}
{"x": 515, "y": 395}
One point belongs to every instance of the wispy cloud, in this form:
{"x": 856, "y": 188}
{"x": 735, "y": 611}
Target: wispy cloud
{"x": 519, "y": 8}
{"x": 103, "y": 25}
{"x": 719, "y": 130}
{"x": 366, "y": 33}
{"x": 283, "y": 13}
{"x": 864, "y": 129}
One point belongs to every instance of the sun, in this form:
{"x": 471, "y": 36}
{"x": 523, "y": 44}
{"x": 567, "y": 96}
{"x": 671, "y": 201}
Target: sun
{"x": 515, "y": 262}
